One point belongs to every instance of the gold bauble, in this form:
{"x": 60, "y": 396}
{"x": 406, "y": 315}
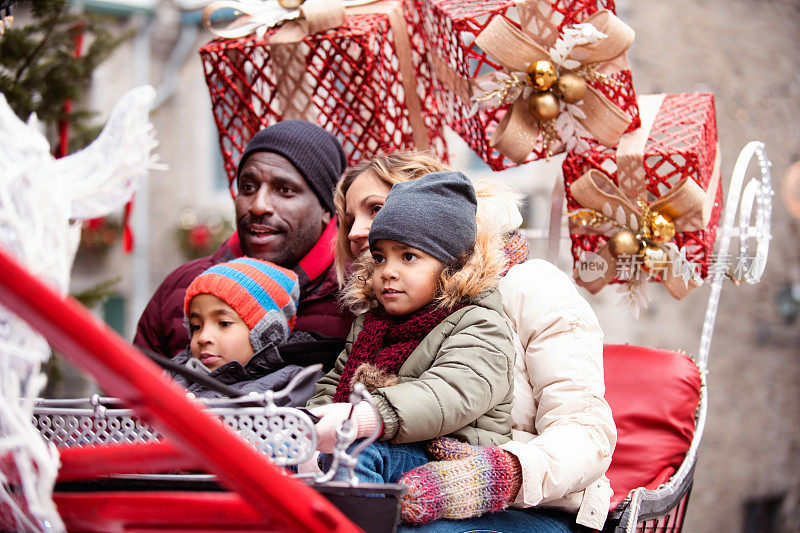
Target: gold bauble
{"x": 570, "y": 88}
{"x": 654, "y": 259}
{"x": 544, "y": 106}
{"x": 623, "y": 242}
{"x": 662, "y": 228}
{"x": 543, "y": 74}
{"x": 290, "y": 4}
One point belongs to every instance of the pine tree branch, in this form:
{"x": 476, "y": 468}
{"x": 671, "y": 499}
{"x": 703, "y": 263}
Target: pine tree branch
{"x": 28, "y": 60}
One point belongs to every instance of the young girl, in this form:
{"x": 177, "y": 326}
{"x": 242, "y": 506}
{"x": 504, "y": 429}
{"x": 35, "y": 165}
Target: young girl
{"x": 430, "y": 343}
{"x": 237, "y": 314}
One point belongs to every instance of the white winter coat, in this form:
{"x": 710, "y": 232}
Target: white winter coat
{"x": 562, "y": 426}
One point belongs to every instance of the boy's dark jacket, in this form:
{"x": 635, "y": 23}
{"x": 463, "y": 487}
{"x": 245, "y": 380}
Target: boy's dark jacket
{"x": 270, "y": 369}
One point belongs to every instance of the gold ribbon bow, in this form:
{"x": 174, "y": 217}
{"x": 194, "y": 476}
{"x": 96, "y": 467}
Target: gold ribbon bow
{"x": 294, "y": 89}
{"x": 613, "y": 209}
{"x": 516, "y": 50}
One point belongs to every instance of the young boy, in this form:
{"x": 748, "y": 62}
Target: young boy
{"x": 237, "y": 314}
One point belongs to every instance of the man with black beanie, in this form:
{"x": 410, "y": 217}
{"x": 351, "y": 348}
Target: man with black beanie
{"x": 284, "y": 214}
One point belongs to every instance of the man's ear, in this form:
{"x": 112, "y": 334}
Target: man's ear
{"x": 326, "y": 218}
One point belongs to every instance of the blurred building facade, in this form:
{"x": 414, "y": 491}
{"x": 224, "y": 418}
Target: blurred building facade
{"x": 744, "y": 51}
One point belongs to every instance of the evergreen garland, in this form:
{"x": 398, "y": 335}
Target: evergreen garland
{"x": 39, "y": 72}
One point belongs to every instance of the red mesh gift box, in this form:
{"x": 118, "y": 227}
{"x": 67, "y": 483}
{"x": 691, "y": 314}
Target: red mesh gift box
{"x": 659, "y": 185}
{"x": 480, "y": 47}
{"x": 348, "y": 79}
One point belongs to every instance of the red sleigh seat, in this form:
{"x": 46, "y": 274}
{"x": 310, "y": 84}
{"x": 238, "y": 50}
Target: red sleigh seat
{"x": 654, "y": 396}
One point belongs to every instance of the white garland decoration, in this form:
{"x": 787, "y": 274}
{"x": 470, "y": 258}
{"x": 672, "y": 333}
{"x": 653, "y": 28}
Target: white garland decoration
{"x": 41, "y": 202}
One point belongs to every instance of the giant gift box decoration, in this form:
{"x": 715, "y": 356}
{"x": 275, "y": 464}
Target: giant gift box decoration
{"x": 523, "y": 80}
{"x": 648, "y": 210}
{"x": 352, "y": 69}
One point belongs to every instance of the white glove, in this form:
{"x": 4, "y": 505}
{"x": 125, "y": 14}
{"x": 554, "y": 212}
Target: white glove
{"x": 364, "y": 419}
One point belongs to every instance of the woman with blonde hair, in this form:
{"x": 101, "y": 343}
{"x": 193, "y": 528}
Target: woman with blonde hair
{"x": 563, "y": 434}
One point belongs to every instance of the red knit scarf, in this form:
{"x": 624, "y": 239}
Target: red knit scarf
{"x": 516, "y": 249}
{"x": 386, "y": 342}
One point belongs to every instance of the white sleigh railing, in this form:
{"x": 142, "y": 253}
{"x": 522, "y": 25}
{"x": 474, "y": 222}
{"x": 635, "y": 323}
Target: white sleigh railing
{"x": 752, "y": 202}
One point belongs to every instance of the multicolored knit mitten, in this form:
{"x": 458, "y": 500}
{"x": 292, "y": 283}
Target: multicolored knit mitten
{"x": 466, "y": 481}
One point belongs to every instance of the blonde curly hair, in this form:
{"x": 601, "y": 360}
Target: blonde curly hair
{"x": 388, "y": 169}
{"x": 498, "y": 204}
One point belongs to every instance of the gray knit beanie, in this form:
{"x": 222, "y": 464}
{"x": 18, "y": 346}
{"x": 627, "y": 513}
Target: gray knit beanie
{"x": 314, "y": 152}
{"x": 435, "y": 214}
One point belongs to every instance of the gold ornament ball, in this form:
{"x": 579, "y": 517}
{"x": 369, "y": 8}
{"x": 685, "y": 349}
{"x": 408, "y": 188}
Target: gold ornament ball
{"x": 623, "y": 242}
{"x": 661, "y": 227}
{"x": 290, "y": 4}
{"x": 654, "y": 259}
{"x": 544, "y": 106}
{"x": 570, "y": 88}
{"x": 543, "y": 74}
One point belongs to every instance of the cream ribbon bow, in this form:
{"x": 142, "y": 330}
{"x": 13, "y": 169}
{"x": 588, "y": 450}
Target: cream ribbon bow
{"x": 515, "y": 49}
{"x": 258, "y": 17}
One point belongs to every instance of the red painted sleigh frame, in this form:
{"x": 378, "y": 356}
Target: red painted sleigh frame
{"x": 261, "y": 498}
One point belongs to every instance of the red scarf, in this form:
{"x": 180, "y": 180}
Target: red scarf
{"x": 386, "y": 342}
{"x": 516, "y": 249}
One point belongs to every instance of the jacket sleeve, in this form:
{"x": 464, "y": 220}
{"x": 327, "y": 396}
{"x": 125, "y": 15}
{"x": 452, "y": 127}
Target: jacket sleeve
{"x": 326, "y": 386}
{"x": 148, "y": 330}
{"x": 565, "y": 434}
{"x": 470, "y": 374}
{"x": 161, "y": 327}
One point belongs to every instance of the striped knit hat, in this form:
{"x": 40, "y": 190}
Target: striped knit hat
{"x": 263, "y": 294}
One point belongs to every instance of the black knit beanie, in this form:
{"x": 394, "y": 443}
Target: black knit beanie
{"x": 314, "y": 152}
{"x": 435, "y": 214}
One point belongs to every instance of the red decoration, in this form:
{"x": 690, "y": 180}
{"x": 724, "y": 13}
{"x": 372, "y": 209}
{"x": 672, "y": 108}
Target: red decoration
{"x": 98, "y": 235}
{"x": 352, "y": 87}
{"x": 451, "y": 27}
{"x": 199, "y": 236}
{"x": 682, "y": 143}
{"x": 127, "y": 232}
